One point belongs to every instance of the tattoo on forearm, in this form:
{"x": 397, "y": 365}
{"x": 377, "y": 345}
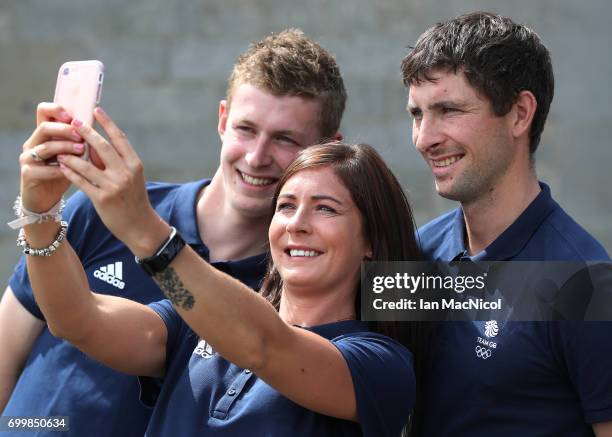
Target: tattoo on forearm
{"x": 173, "y": 289}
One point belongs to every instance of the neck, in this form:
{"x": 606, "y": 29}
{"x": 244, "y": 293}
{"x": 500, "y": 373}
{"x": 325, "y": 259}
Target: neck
{"x": 310, "y": 309}
{"x": 227, "y": 234}
{"x": 491, "y": 214}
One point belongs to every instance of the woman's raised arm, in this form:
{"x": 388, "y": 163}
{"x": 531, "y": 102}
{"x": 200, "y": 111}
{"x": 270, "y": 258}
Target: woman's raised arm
{"x": 120, "y": 333}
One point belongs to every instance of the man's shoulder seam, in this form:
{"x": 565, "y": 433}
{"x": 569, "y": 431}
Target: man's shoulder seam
{"x": 570, "y": 244}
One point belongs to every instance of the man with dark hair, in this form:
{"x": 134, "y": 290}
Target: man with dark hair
{"x": 480, "y": 89}
{"x": 285, "y": 93}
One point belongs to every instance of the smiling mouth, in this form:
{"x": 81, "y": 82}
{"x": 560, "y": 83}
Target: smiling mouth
{"x": 302, "y": 253}
{"x": 446, "y": 162}
{"x": 252, "y": 180}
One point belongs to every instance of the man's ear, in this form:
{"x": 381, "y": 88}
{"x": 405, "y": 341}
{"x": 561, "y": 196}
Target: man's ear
{"x": 524, "y": 110}
{"x": 338, "y": 137}
{"x": 223, "y": 113}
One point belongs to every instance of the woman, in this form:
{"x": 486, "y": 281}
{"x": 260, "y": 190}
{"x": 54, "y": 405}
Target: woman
{"x": 303, "y": 364}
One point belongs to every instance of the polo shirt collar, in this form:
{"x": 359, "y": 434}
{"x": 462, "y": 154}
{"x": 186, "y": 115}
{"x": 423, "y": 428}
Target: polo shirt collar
{"x": 183, "y": 213}
{"x": 456, "y": 241}
{"x": 514, "y": 238}
{"x": 184, "y": 216}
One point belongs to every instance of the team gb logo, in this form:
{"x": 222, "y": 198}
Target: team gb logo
{"x": 491, "y": 328}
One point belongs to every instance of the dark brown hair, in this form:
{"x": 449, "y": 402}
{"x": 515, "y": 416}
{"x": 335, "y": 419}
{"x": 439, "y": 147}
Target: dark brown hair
{"x": 498, "y": 57}
{"x": 289, "y": 63}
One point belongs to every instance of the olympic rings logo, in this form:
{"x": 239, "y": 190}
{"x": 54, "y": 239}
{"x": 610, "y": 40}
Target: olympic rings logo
{"x": 483, "y": 352}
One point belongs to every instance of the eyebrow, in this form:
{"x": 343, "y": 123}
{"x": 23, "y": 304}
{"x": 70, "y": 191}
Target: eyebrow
{"x": 438, "y": 105}
{"x": 287, "y": 132}
{"x": 315, "y": 197}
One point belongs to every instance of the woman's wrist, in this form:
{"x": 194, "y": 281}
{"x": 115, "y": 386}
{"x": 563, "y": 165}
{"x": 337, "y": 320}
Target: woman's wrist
{"x": 26, "y": 216}
{"x": 147, "y": 240}
{"x": 41, "y": 234}
{"x": 47, "y": 248}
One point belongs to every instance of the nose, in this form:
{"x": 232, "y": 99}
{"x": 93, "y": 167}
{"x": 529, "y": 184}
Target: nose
{"x": 260, "y": 154}
{"x": 426, "y": 134}
{"x": 299, "y": 222}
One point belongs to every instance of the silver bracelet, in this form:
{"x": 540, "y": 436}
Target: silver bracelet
{"x": 26, "y": 217}
{"x": 45, "y": 251}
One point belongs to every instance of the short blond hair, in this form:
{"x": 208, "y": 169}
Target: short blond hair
{"x": 289, "y": 63}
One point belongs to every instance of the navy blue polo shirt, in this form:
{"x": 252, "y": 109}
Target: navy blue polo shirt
{"x": 203, "y": 393}
{"x": 58, "y": 379}
{"x": 528, "y": 378}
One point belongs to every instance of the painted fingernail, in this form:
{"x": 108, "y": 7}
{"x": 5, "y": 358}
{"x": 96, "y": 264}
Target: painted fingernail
{"x": 65, "y": 116}
{"x": 75, "y": 135}
{"x": 79, "y": 147}
{"x": 61, "y": 157}
{"x": 62, "y": 165}
{"x": 100, "y": 111}
{"x": 77, "y": 123}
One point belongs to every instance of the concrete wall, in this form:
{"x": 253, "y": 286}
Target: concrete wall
{"x": 167, "y": 60}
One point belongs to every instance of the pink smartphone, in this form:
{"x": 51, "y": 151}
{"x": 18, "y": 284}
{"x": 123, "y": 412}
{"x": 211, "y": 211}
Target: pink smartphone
{"x": 78, "y": 90}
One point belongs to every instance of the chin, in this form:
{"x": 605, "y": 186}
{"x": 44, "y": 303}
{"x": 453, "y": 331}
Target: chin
{"x": 296, "y": 282}
{"x": 450, "y": 193}
{"x": 254, "y": 209}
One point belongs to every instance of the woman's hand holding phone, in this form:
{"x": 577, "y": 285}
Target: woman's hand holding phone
{"x": 118, "y": 189}
{"x": 43, "y": 185}
{"x": 77, "y": 92}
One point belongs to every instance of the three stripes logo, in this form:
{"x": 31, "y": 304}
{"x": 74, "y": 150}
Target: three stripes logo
{"x": 112, "y": 274}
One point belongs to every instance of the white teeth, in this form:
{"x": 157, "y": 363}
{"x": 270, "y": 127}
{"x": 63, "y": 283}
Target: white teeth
{"x": 256, "y": 181}
{"x": 446, "y": 162}
{"x": 299, "y": 252}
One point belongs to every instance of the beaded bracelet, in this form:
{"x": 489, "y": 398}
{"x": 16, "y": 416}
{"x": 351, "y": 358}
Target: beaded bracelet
{"x": 45, "y": 251}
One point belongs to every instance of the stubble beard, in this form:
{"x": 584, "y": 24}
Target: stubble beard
{"x": 475, "y": 183}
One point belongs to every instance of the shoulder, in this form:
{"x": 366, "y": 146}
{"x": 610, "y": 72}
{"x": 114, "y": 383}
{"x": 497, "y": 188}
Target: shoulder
{"x": 564, "y": 239}
{"x": 158, "y": 191}
{"x": 370, "y": 353}
{"x": 435, "y": 234}
{"x": 383, "y": 377}
{"x": 163, "y": 194}
{"x": 374, "y": 342}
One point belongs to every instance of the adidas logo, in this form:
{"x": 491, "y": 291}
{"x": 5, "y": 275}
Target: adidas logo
{"x": 204, "y": 350}
{"x": 112, "y": 274}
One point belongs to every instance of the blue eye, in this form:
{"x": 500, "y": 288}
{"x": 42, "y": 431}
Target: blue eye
{"x": 326, "y": 209}
{"x": 284, "y": 206}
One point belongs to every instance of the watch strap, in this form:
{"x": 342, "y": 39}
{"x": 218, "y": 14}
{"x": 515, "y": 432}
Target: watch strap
{"x": 166, "y": 253}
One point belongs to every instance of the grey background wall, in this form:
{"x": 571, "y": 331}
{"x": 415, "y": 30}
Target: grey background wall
{"x": 167, "y": 61}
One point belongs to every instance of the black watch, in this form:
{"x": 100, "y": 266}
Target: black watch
{"x": 165, "y": 254}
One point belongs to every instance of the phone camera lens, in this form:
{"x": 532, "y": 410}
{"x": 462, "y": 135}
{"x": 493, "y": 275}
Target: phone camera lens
{"x": 66, "y": 71}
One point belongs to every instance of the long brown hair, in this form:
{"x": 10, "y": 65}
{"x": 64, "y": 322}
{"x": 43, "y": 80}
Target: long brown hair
{"x": 388, "y": 226}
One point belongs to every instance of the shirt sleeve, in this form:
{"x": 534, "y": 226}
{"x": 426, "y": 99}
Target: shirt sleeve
{"x": 384, "y": 381}
{"x": 584, "y": 350}
{"x": 151, "y": 387}
{"x": 78, "y": 214}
